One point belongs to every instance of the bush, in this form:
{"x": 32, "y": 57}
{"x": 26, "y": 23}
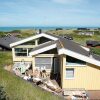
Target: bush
{"x": 2, "y": 34}
{"x": 15, "y": 31}
{"x": 97, "y": 32}
{"x": 3, "y": 95}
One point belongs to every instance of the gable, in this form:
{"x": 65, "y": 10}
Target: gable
{"x": 40, "y": 41}
{"x": 33, "y": 38}
{"x": 89, "y": 59}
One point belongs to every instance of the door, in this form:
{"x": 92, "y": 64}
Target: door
{"x": 56, "y": 65}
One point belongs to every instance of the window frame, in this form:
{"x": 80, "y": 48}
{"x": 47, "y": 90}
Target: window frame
{"x": 73, "y": 73}
{"x": 17, "y": 52}
{"x": 20, "y": 52}
{"x": 44, "y": 63}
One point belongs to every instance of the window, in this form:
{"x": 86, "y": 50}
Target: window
{"x": 52, "y": 51}
{"x": 42, "y": 62}
{"x": 21, "y": 51}
{"x": 43, "y": 40}
{"x": 29, "y": 43}
{"x": 73, "y": 61}
{"x": 69, "y": 73}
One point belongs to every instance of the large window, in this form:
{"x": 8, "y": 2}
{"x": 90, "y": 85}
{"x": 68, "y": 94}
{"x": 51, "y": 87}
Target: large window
{"x": 29, "y": 43}
{"x": 74, "y": 61}
{"x": 69, "y": 73}
{"x": 43, "y": 62}
{"x": 21, "y": 51}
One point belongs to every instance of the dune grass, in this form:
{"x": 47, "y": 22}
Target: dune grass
{"x": 18, "y": 89}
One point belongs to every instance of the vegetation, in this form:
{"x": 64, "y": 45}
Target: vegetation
{"x": 96, "y": 50}
{"x": 18, "y": 89}
{"x": 26, "y": 33}
{"x": 60, "y": 32}
{"x": 3, "y": 95}
{"x": 21, "y": 33}
{"x": 2, "y": 34}
{"x": 97, "y": 32}
{"x": 15, "y": 31}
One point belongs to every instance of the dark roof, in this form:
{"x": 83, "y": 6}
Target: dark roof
{"x": 93, "y": 43}
{"x": 7, "y": 40}
{"x": 70, "y": 45}
{"x": 97, "y": 57}
{"x": 65, "y": 43}
{"x": 43, "y": 45}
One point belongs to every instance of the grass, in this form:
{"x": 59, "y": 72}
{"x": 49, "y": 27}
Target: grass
{"x": 96, "y": 50}
{"x": 26, "y": 33}
{"x": 18, "y": 89}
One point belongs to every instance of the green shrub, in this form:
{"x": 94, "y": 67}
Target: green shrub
{"x": 15, "y": 31}
{"x": 97, "y": 32}
{"x": 3, "y": 95}
{"x": 2, "y": 34}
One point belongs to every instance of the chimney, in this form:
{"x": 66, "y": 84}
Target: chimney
{"x": 40, "y": 31}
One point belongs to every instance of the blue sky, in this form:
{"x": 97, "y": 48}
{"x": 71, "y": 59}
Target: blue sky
{"x": 50, "y": 13}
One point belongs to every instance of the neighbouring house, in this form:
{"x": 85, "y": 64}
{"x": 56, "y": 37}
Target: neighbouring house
{"x": 86, "y": 33}
{"x": 73, "y": 63}
{"x": 83, "y": 29}
{"x": 92, "y": 43}
{"x": 57, "y": 29}
{"x": 6, "y": 41}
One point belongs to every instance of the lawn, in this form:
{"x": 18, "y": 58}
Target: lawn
{"x": 18, "y": 89}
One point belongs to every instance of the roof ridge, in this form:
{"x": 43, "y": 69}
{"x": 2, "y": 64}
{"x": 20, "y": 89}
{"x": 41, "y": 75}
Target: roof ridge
{"x": 61, "y": 44}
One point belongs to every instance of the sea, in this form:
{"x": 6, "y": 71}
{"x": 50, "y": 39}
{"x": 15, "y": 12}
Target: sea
{"x": 8, "y": 29}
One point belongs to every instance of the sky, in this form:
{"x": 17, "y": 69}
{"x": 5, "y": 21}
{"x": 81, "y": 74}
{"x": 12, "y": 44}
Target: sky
{"x": 50, "y": 13}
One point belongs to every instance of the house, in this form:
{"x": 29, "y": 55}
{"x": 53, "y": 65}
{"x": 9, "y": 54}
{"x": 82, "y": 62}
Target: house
{"x": 57, "y": 29}
{"x": 74, "y": 63}
{"x": 83, "y": 29}
{"x": 92, "y": 43}
{"x": 86, "y": 33}
{"x": 6, "y": 41}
